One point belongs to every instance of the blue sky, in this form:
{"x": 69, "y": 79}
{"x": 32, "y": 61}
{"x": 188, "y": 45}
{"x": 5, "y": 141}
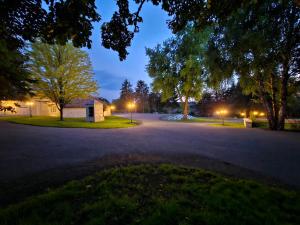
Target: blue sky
{"x": 110, "y": 72}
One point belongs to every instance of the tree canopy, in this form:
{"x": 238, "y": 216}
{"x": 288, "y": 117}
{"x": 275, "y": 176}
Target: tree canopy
{"x": 176, "y": 66}
{"x": 52, "y": 21}
{"x": 63, "y": 73}
{"x": 261, "y": 45}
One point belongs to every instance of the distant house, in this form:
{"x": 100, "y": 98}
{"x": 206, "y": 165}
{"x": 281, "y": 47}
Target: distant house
{"x": 45, "y": 107}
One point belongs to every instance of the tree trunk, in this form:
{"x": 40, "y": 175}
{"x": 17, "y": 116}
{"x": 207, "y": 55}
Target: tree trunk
{"x": 61, "y": 113}
{"x": 268, "y": 105}
{"x": 185, "y": 109}
{"x": 283, "y": 98}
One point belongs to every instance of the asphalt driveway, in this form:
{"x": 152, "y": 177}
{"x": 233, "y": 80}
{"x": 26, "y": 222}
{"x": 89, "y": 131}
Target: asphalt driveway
{"x": 25, "y": 149}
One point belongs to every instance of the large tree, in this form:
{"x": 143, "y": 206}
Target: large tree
{"x": 62, "y": 72}
{"x": 261, "y": 45}
{"x": 50, "y": 21}
{"x": 176, "y": 67}
{"x": 141, "y": 95}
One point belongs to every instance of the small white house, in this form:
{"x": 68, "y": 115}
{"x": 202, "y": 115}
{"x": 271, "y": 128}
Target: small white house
{"x": 45, "y": 107}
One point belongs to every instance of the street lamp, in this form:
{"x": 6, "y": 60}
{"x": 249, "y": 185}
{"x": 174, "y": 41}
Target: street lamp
{"x": 222, "y": 114}
{"x": 131, "y": 106}
{"x": 112, "y": 107}
{"x": 30, "y": 104}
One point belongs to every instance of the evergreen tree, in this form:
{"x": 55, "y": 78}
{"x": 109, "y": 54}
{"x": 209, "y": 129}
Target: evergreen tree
{"x": 141, "y": 95}
{"x": 126, "y": 94}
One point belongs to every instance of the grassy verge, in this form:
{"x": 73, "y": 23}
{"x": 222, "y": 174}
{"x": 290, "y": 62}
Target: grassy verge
{"x": 153, "y": 195}
{"x": 109, "y": 122}
{"x": 205, "y": 120}
{"x": 215, "y": 122}
{"x": 228, "y": 124}
{"x": 287, "y": 126}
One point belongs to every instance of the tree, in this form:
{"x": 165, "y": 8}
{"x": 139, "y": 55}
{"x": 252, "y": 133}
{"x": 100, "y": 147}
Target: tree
{"x": 176, "y": 67}
{"x": 259, "y": 44}
{"x": 50, "y": 21}
{"x": 141, "y": 95}
{"x": 154, "y": 101}
{"x": 63, "y": 73}
{"x": 126, "y": 94}
{"x": 118, "y": 33}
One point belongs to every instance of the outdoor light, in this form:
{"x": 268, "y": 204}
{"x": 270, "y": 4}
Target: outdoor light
{"x": 243, "y": 114}
{"x": 255, "y": 113}
{"x": 222, "y": 114}
{"x": 112, "y": 107}
{"x": 131, "y": 106}
{"x": 30, "y": 104}
{"x": 262, "y": 114}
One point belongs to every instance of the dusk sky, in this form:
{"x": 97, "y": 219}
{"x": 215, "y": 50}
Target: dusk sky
{"x": 109, "y": 70}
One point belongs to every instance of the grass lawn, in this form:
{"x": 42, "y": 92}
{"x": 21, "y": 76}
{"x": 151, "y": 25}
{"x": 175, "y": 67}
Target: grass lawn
{"x": 204, "y": 120}
{"x": 228, "y": 124}
{"x": 157, "y": 195}
{"x": 215, "y": 122}
{"x": 287, "y": 126}
{"x": 46, "y": 121}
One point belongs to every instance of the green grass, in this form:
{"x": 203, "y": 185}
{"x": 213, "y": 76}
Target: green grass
{"x": 109, "y": 122}
{"x": 204, "y": 120}
{"x": 213, "y": 122}
{"x": 228, "y": 124}
{"x": 287, "y": 126}
{"x": 154, "y": 195}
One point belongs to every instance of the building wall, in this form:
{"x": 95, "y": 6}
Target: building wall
{"x": 74, "y": 112}
{"x": 40, "y": 107}
{"x": 22, "y": 110}
{"x": 96, "y": 109}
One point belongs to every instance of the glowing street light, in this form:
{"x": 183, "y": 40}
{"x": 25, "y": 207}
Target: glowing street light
{"x": 131, "y": 106}
{"x": 222, "y": 114}
{"x": 255, "y": 113}
{"x": 112, "y": 107}
{"x": 243, "y": 114}
{"x": 261, "y": 114}
{"x": 30, "y": 104}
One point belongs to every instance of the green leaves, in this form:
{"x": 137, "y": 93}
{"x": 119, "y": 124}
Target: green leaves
{"x": 176, "y": 66}
{"x": 63, "y": 72}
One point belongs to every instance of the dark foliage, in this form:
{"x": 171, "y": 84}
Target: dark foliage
{"x": 27, "y": 20}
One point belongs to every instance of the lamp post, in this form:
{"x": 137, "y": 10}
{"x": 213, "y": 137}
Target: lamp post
{"x": 222, "y": 114}
{"x": 30, "y": 104}
{"x": 112, "y": 108}
{"x": 131, "y": 106}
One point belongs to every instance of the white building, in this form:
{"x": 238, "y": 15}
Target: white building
{"x": 44, "y": 107}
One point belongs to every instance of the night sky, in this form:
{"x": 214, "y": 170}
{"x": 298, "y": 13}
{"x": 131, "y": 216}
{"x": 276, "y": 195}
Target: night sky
{"x": 110, "y": 72}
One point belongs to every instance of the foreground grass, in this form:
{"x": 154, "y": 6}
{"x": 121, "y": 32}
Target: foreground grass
{"x": 46, "y": 121}
{"x": 153, "y": 195}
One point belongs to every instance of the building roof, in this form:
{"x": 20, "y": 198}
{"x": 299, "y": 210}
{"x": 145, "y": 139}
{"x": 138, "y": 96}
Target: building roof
{"x": 81, "y": 102}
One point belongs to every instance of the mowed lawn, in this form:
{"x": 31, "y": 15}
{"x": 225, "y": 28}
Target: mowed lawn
{"x": 46, "y": 121}
{"x": 157, "y": 195}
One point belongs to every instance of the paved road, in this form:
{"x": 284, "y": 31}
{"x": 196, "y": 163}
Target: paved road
{"x": 27, "y": 149}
